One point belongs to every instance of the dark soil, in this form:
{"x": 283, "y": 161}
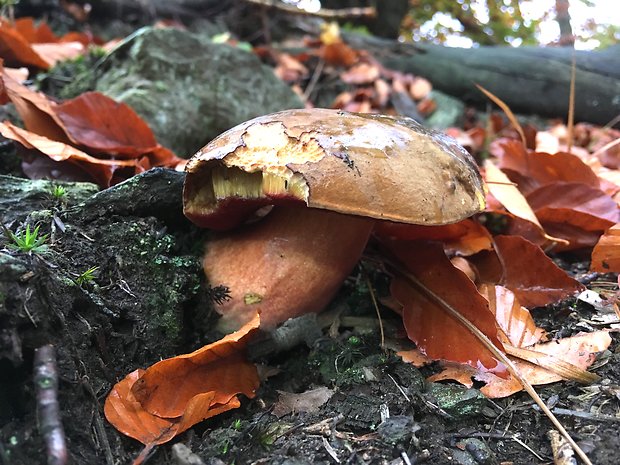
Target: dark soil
{"x": 148, "y": 301}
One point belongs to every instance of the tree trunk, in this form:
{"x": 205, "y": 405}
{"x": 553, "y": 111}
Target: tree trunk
{"x": 529, "y": 79}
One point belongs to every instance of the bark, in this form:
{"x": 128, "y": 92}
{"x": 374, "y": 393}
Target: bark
{"x": 529, "y": 79}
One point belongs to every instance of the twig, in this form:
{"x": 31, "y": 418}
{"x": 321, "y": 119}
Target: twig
{"x": 318, "y": 70}
{"x": 341, "y": 13}
{"x": 376, "y": 305}
{"x": 571, "y": 104}
{"x": 562, "y": 453}
{"x": 48, "y": 408}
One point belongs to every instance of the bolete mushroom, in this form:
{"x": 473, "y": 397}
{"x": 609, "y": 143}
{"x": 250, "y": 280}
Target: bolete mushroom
{"x": 329, "y": 175}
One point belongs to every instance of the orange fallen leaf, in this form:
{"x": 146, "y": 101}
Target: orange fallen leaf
{"x": 515, "y": 321}
{"x": 16, "y": 51}
{"x": 542, "y": 168}
{"x": 578, "y": 350}
{"x": 466, "y": 237}
{"x": 167, "y": 386}
{"x": 437, "y": 333}
{"x": 362, "y": 73}
{"x": 524, "y": 268}
{"x": 100, "y": 123}
{"x": 606, "y": 253}
{"x": 100, "y": 170}
{"x": 175, "y": 383}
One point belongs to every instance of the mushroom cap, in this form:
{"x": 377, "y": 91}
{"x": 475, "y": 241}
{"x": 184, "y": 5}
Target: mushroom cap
{"x": 376, "y": 166}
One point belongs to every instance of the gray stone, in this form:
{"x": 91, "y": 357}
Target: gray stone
{"x": 188, "y": 89}
{"x": 449, "y": 111}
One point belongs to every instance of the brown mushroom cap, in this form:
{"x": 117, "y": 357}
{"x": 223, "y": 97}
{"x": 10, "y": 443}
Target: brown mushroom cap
{"x": 366, "y": 165}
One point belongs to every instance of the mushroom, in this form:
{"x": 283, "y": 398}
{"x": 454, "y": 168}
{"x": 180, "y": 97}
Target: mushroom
{"x": 327, "y": 176}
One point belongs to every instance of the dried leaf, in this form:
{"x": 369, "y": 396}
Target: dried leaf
{"x": 436, "y": 333}
{"x": 466, "y": 237}
{"x": 305, "y": 402}
{"x": 575, "y": 204}
{"x": 362, "y": 73}
{"x": 100, "y": 170}
{"x": 508, "y": 194}
{"x": 542, "y": 168}
{"x": 515, "y": 321}
{"x": 96, "y": 121}
{"x": 524, "y": 268}
{"x": 128, "y": 413}
{"x": 16, "y": 51}
{"x": 577, "y": 350}
{"x": 166, "y": 387}
{"x": 606, "y": 254}
{"x": 35, "y": 109}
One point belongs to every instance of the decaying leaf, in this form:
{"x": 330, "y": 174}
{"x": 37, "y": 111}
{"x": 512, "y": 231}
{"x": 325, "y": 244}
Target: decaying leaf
{"x": 92, "y": 132}
{"x": 436, "y": 333}
{"x": 524, "y": 268}
{"x": 156, "y": 404}
{"x": 606, "y": 253}
{"x": 304, "y": 402}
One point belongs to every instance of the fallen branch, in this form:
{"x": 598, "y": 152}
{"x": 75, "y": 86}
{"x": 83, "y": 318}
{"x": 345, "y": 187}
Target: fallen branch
{"x": 48, "y": 409}
{"x": 341, "y": 13}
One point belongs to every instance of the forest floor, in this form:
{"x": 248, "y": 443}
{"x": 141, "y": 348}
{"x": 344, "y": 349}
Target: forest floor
{"x": 148, "y": 300}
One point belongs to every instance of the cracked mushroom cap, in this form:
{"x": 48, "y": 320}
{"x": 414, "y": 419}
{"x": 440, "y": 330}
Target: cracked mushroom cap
{"x": 357, "y": 164}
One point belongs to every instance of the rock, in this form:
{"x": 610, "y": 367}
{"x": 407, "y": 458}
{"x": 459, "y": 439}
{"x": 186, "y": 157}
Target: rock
{"x": 190, "y": 90}
{"x": 448, "y": 113}
{"x": 457, "y": 401}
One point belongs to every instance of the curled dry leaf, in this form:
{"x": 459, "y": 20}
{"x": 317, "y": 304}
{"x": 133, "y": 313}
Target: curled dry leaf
{"x": 362, "y": 73}
{"x": 575, "y": 204}
{"x": 92, "y": 121}
{"x": 103, "y": 125}
{"x": 579, "y": 351}
{"x": 466, "y": 237}
{"x": 542, "y": 168}
{"x": 166, "y": 387}
{"x": 606, "y": 253}
{"x": 515, "y": 321}
{"x": 438, "y": 334}
{"x": 524, "y": 268}
{"x": 100, "y": 170}
{"x": 508, "y": 195}
{"x": 199, "y": 387}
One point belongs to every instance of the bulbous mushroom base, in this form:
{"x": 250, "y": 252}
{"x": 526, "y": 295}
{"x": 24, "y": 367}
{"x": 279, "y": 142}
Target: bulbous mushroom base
{"x": 290, "y": 263}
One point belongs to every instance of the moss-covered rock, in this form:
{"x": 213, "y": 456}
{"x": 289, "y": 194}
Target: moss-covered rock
{"x": 190, "y": 90}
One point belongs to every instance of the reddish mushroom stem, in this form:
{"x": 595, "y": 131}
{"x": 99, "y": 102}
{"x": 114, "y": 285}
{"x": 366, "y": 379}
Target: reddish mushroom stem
{"x": 290, "y": 263}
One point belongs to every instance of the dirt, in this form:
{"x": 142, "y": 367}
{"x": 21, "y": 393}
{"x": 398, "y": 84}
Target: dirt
{"x": 148, "y": 300}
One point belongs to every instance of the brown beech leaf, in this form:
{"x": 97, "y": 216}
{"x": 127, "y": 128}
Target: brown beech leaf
{"x": 35, "y": 109}
{"x": 466, "y": 237}
{"x": 606, "y": 254}
{"x": 437, "y": 333}
{"x": 508, "y": 195}
{"x": 362, "y": 73}
{"x": 59, "y": 51}
{"x": 100, "y": 170}
{"x": 578, "y": 350}
{"x": 166, "y": 387}
{"x": 543, "y": 168}
{"x": 515, "y": 321}
{"x": 576, "y": 204}
{"x": 572, "y": 356}
{"x": 524, "y": 268}
{"x": 16, "y": 51}
{"x": 126, "y": 414}
{"x": 96, "y": 121}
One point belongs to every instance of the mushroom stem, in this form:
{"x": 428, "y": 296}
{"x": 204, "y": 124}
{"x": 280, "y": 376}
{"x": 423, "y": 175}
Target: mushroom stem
{"x": 290, "y": 263}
